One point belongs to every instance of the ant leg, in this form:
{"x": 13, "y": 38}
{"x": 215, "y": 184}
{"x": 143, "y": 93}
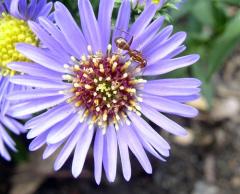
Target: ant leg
{"x": 131, "y": 41}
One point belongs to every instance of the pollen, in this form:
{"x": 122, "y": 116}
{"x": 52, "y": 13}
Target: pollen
{"x": 105, "y": 85}
{"x": 13, "y": 31}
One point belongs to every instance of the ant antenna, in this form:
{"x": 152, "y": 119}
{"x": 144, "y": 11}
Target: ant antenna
{"x": 121, "y": 30}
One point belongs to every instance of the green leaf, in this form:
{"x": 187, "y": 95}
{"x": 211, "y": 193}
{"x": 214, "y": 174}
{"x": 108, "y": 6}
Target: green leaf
{"x": 224, "y": 45}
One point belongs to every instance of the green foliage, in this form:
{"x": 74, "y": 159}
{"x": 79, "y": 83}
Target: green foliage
{"x": 213, "y": 28}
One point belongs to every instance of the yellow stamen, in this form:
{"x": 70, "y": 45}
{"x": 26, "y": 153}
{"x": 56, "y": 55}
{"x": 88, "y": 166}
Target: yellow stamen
{"x": 13, "y": 31}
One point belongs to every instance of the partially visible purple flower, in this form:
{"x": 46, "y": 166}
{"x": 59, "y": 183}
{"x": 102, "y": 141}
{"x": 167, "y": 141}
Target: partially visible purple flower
{"x": 14, "y": 15}
{"x": 95, "y": 93}
{"x": 147, "y": 3}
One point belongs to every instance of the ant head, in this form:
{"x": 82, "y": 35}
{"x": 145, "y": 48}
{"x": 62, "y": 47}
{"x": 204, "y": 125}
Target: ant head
{"x": 121, "y": 43}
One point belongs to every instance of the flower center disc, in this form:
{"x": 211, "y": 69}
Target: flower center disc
{"x": 12, "y": 31}
{"x": 104, "y": 86}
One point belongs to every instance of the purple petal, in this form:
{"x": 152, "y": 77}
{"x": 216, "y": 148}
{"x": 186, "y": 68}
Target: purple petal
{"x": 48, "y": 120}
{"x": 39, "y": 82}
{"x": 122, "y": 21}
{"x": 162, "y": 121}
{"x": 159, "y": 39}
{"x": 50, "y": 149}
{"x": 69, "y": 147}
{"x": 110, "y": 147}
{"x": 165, "y": 66}
{"x": 48, "y": 41}
{"x": 147, "y": 35}
{"x": 27, "y": 108}
{"x": 35, "y": 70}
{"x": 98, "y": 155}
{"x": 105, "y": 21}
{"x": 142, "y": 21}
{"x": 70, "y": 29}
{"x": 169, "y": 106}
{"x": 156, "y": 53}
{"x": 89, "y": 24}
{"x": 64, "y": 131}
{"x": 136, "y": 147}
{"x": 124, "y": 154}
{"x": 81, "y": 152}
{"x": 31, "y": 94}
{"x": 38, "y": 142}
{"x": 42, "y": 57}
{"x": 52, "y": 29}
{"x": 149, "y": 133}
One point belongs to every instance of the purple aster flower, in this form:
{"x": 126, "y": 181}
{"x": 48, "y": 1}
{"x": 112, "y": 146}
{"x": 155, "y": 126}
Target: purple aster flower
{"x": 96, "y": 93}
{"x": 14, "y": 28}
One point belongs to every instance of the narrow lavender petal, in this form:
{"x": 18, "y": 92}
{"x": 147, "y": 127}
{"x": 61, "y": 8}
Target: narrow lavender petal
{"x": 38, "y": 142}
{"x": 19, "y": 126}
{"x": 22, "y": 5}
{"x": 48, "y": 41}
{"x": 162, "y": 121}
{"x": 39, "y": 82}
{"x": 50, "y": 149}
{"x": 7, "y": 4}
{"x": 159, "y": 39}
{"x": 162, "y": 50}
{"x": 14, "y": 9}
{"x": 105, "y": 21}
{"x": 68, "y": 26}
{"x": 3, "y": 151}
{"x": 176, "y": 52}
{"x": 35, "y": 106}
{"x": 142, "y": 21}
{"x": 35, "y": 69}
{"x": 7, "y": 122}
{"x": 2, "y": 9}
{"x": 69, "y": 147}
{"x": 175, "y": 82}
{"x": 168, "y": 65}
{"x": 148, "y": 147}
{"x": 64, "y": 131}
{"x": 98, "y": 155}
{"x": 110, "y": 146}
{"x": 32, "y": 6}
{"x": 51, "y": 118}
{"x": 149, "y": 133}
{"x": 42, "y": 57}
{"x": 169, "y": 91}
{"x": 169, "y": 106}
{"x": 150, "y": 138}
{"x": 7, "y": 139}
{"x": 184, "y": 99}
{"x": 137, "y": 149}
{"x": 57, "y": 110}
{"x": 4, "y": 102}
{"x": 57, "y": 35}
{"x": 45, "y": 10}
{"x": 81, "y": 152}
{"x": 3, "y": 86}
{"x": 124, "y": 154}
{"x": 31, "y": 94}
{"x": 89, "y": 24}
{"x": 142, "y": 40}
{"x": 122, "y": 21}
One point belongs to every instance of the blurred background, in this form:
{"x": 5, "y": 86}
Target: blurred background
{"x": 207, "y": 161}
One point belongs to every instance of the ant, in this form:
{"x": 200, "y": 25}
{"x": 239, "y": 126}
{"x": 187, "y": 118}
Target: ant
{"x": 136, "y": 56}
